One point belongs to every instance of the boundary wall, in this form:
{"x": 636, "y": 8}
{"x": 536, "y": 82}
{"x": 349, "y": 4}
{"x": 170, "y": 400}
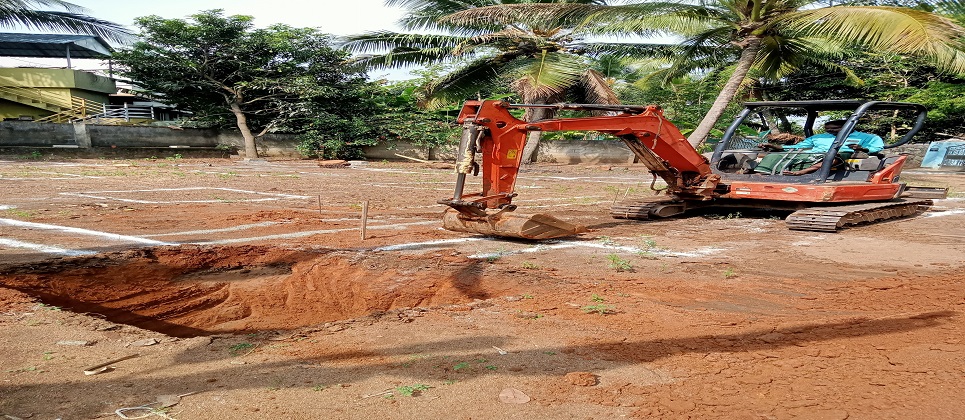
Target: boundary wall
{"x": 139, "y": 140}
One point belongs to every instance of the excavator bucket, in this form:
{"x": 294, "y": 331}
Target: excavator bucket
{"x": 511, "y": 225}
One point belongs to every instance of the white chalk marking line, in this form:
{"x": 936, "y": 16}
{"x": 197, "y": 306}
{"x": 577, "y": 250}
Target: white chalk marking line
{"x": 73, "y": 175}
{"x": 631, "y": 249}
{"x": 399, "y": 187}
{"x": 47, "y": 249}
{"x": 429, "y": 244}
{"x": 90, "y": 194}
{"x": 2, "y": 178}
{"x": 6, "y": 207}
{"x": 203, "y": 232}
{"x": 398, "y": 226}
{"x": 79, "y": 231}
{"x": 945, "y": 213}
{"x": 558, "y": 244}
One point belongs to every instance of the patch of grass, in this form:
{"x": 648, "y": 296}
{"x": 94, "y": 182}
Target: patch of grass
{"x": 26, "y": 369}
{"x": 23, "y": 214}
{"x": 530, "y": 266}
{"x": 598, "y": 308}
{"x": 460, "y": 366}
{"x": 728, "y": 216}
{"x": 729, "y": 273}
{"x": 647, "y": 255}
{"x": 619, "y": 264}
{"x": 34, "y": 155}
{"x": 649, "y": 242}
{"x": 412, "y": 390}
{"x": 492, "y": 367}
{"x": 177, "y": 156}
{"x": 597, "y": 298}
{"x": 239, "y": 348}
{"x": 49, "y": 307}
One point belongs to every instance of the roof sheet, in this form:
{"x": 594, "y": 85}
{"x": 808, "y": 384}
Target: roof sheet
{"x": 53, "y": 45}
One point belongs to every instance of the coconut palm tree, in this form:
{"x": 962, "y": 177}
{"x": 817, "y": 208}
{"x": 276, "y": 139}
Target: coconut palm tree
{"x": 544, "y": 58}
{"x": 69, "y": 18}
{"x": 775, "y": 37}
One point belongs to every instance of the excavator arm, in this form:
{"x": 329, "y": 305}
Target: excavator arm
{"x": 490, "y": 130}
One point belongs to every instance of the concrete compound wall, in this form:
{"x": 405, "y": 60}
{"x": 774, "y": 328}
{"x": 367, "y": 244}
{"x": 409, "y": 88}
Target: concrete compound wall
{"x": 86, "y": 136}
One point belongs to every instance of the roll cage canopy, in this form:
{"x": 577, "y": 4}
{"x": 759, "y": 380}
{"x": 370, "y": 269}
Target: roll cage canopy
{"x": 812, "y": 108}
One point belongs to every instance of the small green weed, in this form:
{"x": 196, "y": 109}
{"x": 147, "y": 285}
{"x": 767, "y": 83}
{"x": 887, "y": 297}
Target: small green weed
{"x": 49, "y": 307}
{"x": 597, "y": 298}
{"x": 34, "y": 155}
{"x": 23, "y": 214}
{"x": 530, "y": 266}
{"x": 236, "y": 349}
{"x": 608, "y": 241}
{"x": 729, "y": 273}
{"x": 412, "y": 390}
{"x": 647, "y": 255}
{"x": 598, "y": 308}
{"x": 649, "y": 242}
{"x": 48, "y": 355}
{"x": 492, "y": 367}
{"x": 317, "y": 388}
{"x": 460, "y": 366}
{"x": 177, "y": 156}
{"x": 619, "y": 264}
{"x": 527, "y": 296}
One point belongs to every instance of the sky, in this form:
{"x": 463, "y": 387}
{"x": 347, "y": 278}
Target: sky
{"x": 339, "y": 17}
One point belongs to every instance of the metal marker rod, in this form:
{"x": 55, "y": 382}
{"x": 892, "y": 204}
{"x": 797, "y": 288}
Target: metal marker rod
{"x": 365, "y": 217}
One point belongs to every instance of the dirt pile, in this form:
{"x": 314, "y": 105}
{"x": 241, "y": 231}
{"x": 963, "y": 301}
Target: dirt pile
{"x": 191, "y": 291}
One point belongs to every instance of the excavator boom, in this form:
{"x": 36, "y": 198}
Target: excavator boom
{"x": 490, "y": 130}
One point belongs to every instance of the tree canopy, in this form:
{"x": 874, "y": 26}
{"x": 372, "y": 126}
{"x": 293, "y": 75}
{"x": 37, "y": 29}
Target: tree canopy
{"x": 771, "y": 37}
{"x": 222, "y": 67}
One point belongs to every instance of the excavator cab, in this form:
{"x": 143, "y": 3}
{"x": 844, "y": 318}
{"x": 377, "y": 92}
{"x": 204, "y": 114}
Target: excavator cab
{"x": 739, "y": 155}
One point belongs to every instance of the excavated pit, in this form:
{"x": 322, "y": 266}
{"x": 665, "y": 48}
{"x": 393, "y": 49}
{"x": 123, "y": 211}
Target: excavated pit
{"x": 191, "y": 291}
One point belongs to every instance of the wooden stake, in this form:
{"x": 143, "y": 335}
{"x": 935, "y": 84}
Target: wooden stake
{"x": 365, "y": 216}
{"x": 319, "y": 205}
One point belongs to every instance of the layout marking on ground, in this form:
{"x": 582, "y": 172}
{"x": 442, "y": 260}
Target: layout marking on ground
{"x": 303, "y": 234}
{"x": 47, "y": 249}
{"x": 105, "y": 195}
{"x": 79, "y": 231}
{"x": 207, "y": 231}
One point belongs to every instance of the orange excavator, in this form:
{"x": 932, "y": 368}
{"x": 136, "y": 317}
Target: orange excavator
{"x": 840, "y": 193}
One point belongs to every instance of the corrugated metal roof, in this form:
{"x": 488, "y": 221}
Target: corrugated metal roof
{"x": 53, "y": 45}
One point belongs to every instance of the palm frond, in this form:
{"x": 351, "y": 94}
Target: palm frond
{"x": 889, "y": 29}
{"x": 65, "y": 21}
{"x": 596, "y": 88}
{"x": 381, "y": 41}
{"x": 469, "y": 79}
{"x": 547, "y": 75}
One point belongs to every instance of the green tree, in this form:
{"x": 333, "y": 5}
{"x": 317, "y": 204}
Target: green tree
{"x": 71, "y": 18}
{"x": 217, "y": 67}
{"x": 774, "y": 37}
{"x": 885, "y": 77}
{"x": 541, "y": 58}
